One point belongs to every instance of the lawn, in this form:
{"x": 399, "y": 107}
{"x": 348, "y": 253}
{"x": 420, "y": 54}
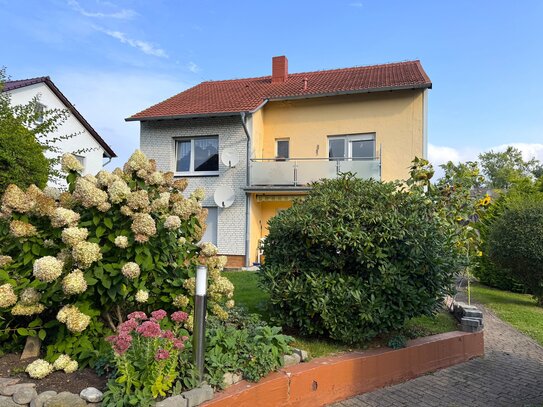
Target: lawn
{"x": 249, "y": 295}
{"x": 520, "y": 310}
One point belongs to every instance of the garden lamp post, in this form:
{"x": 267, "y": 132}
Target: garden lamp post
{"x": 199, "y": 330}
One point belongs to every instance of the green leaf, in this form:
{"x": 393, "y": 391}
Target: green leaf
{"x": 42, "y": 334}
{"x": 22, "y": 331}
{"x": 108, "y": 222}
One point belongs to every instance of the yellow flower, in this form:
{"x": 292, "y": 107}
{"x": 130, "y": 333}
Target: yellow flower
{"x": 479, "y": 253}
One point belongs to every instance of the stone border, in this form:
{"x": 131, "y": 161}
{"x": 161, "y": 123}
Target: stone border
{"x": 326, "y": 380}
{"x": 469, "y": 316}
{"x": 13, "y": 393}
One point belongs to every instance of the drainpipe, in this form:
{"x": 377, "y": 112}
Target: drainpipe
{"x": 107, "y": 162}
{"x": 243, "y": 117}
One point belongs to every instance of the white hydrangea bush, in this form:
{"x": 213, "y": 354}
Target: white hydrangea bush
{"x": 73, "y": 264}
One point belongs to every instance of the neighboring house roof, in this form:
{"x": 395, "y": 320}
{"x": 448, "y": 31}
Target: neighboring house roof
{"x": 248, "y": 95}
{"x": 12, "y": 85}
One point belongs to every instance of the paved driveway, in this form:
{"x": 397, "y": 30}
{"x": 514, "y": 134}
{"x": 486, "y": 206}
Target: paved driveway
{"x": 510, "y": 374}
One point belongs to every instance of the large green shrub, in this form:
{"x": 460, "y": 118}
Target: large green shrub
{"x": 357, "y": 258}
{"x": 73, "y": 266}
{"x": 515, "y": 241}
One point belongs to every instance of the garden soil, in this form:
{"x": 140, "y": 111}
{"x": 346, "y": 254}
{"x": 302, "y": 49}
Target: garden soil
{"x": 11, "y": 366}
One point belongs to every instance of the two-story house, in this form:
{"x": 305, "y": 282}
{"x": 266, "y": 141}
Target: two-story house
{"x": 86, "y": 143}
{"x": 286, "y": 130}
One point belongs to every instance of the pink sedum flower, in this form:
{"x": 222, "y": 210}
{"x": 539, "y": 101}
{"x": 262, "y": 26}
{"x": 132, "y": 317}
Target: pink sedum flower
{"x": 159, "y": 315}
{"x": 162, "y": 354}
{"x": 149, "y": 329}
{"x": 180, "y": 316}
{"x": 138, "y": 315}
{"x": 168, "y": 335}
{"x": 128, "y": 325}
{"x": 178, "y": 344}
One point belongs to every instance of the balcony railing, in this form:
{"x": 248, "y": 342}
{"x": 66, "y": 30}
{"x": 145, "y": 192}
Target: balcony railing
{"x": 302, "y": 171}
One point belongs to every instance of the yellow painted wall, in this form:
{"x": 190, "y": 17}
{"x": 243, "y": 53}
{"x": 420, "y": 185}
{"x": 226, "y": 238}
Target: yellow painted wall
{"x": 261, "y": 213}
{"x": 395, "y": 117}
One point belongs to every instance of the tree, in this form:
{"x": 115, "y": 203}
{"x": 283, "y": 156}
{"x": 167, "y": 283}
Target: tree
{"x": 504, "y": 169}
{"x": 25, "y": 139}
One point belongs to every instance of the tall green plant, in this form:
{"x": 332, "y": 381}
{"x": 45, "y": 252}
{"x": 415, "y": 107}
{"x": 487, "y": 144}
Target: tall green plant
{"x": 357, "y": 258}
{"x": 73, "y": 266}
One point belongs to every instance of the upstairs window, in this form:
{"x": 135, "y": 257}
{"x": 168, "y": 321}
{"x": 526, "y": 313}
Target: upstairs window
{"x": 282, "y": 149}
{"x": 355, "y": 146}
{"x": 197, "y": 156}
{"x": 40, "y": 109}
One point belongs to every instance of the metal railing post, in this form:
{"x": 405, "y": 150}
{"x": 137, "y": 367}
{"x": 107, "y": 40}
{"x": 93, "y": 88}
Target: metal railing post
{"x": 295, "y": 173}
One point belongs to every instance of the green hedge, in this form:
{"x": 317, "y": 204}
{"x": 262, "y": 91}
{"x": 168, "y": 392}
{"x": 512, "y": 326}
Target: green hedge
{"x": 357, "y": 258}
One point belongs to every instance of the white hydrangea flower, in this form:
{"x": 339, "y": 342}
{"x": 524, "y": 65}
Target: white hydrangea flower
{"x": 47, "y": 269}
{"x": 88, "y": 194}
{"x": 73, "y": 235}
{"x": 172, "y": 222}
{"x": 198, "y": 194}
{"x": 131, "y": 270}
{"x": 64, "y": 217}
{"x": 61, "y": 362}
{"x": 71, "y": 367}
{"x": 39, "y": 369}
{"x": 118, "y": 191}
{"x": 29, "y": 296}
{"x": 142, "y": 296}
{"x": 27, "y": 310}
{"x": 69, "y": 163}
{"x": 5, "y": 260}
{"x": 74, "y": 283}
{"x": 22, "y": 229}
{"x": 86, "y": 253}
{"x": 137, "y": 161}
{"x": 7, "y": 296}
{"x": 74, "y": 319}
{"x": 208, "y": 249}
{"x": 121, "y": 242}
{"x": 143, "y": 224}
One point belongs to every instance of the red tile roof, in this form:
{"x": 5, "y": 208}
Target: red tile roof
{"x": 247, "y": 95}
{"x": 11, "y": 85}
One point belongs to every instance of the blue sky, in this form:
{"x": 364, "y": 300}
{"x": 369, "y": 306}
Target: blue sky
{"x": 114, "y": 58}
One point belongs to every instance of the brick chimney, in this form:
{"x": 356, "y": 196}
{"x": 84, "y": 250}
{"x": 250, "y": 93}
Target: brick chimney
{"x": 279, "y": 69}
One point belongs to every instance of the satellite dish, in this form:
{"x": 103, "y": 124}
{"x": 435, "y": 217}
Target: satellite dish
{"x": 229, "y": 157}
{"x": 224, "y": 197}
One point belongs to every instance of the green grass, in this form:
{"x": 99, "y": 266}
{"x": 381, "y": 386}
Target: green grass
{"x": 254, "y": 299}
{"x": 520, "y": 310}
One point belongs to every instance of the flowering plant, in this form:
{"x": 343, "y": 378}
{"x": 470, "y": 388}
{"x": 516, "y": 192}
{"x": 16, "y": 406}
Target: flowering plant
{"x": 148, "y": 352}
{"x": 73, "y": 264}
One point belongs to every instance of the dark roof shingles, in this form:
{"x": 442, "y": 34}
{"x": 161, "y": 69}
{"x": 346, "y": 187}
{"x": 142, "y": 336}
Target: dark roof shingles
{"x": 244, "y": 95}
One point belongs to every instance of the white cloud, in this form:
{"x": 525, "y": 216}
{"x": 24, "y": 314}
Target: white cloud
{"x": 193, "y": 67}
{"x": 357, "y": 4}
{"x": 105, "y": 99}
{"x": 529, "y": 150}
{"x": 143, "y": 46}
{"x": 123, "y": 14}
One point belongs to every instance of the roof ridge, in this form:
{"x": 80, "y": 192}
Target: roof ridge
{"x": 43, "y": 78}
{"x": 376, "y": 66}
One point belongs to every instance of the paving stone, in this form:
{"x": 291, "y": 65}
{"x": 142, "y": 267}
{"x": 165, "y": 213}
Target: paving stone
{"x": 175, "y": 401}
{"x": 92, "y": 395}
{"x": 10, "y": 390}
{"x": 231, "y": 378}
{"x": 510, "y": 374}
{"x": 289, "y": 360}
{"x": 7, "y": 381}
{"x": 24, "y": 395}
{"x": 32, "y": 348}
{"x": 42, "y": 398}
{"x": 6, "y": 401}
{"x": 65, "y": 399}
{"x": 197, "y": 396}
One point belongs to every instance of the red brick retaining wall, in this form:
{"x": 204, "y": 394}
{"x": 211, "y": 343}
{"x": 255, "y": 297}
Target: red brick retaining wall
{"x": 326, "y": 380}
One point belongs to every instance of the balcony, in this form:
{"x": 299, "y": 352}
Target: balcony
{"x": 302, "y": 171}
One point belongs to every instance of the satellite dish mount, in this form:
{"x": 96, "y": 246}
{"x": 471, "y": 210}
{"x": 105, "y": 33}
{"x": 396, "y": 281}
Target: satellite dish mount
{"x": 230, "y": 157}
{"x": 224, "y": 196}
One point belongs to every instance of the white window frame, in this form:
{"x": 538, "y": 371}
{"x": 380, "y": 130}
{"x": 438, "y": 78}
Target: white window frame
{"x": 277, "y": 140}
{"x": 192, "y": 172}
{"x": 348, "y": 139}
{"x": 82, "y": 160}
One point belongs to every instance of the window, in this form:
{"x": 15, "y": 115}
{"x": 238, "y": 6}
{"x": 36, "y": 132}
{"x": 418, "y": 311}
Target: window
{"x": 81, "y": 160}
{"x": 198, "y": 156}
{"x": 357, "y": 146}
{"x": 282, "y": 148}
{"x": 40, "y": 109}
{"x": 210, "y": 234}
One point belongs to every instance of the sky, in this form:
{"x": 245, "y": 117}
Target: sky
{"x": 115, "y": 58}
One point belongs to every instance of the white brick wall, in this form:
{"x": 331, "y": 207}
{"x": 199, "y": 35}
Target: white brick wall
{"x": 157, "y": 142}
